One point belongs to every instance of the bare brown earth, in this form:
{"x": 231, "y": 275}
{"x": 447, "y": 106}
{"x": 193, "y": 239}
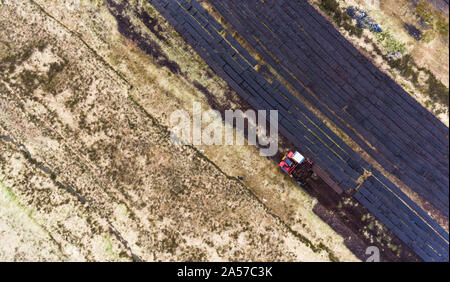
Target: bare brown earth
{"x": 89, "y": 172}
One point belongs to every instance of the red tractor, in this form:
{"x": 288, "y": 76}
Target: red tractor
{"x": 297, "y": 167}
